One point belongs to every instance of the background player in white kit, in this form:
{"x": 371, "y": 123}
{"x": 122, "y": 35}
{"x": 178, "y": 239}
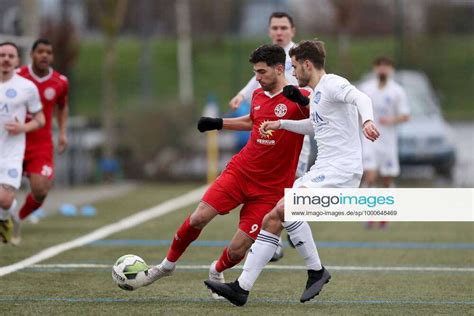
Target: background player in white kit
{"x": 281, "y": 30}
{"x": 390, "y": 108}
{"x": 334, "y": 120}
{"x": 17, "y": 97}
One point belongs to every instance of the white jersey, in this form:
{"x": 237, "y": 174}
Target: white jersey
{"x": 336, "y": 125}
{"x": 17, "y": 97}
{"x": 390, "y": 102}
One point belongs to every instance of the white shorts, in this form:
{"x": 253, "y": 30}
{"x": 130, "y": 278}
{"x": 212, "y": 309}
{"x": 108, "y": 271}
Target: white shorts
{"x": 10, "y": 172}
{"x": 378, "y": 158}
{"x": 328, "y": 176}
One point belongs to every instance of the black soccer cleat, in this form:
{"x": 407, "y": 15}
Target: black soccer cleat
{"x": 230, "y": 291}
{"x": 315, "y": 283}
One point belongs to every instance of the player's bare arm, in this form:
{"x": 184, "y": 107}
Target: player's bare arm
{"x": 245, "y": 93}
{"x": 61, "y": 116}
{"x": 16, "y": 127}
{"x": 242, "y": 123}
{"x": 236, "y": 101}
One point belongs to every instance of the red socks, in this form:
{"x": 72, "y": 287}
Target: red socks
{"x": 29, "y": 207}
{"x": 184, "y": 236}
{"x": 225, "y": 262}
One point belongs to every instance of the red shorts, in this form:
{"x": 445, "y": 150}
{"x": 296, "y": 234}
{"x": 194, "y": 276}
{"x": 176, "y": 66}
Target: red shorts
{"x": 39, "y": 161}
{"x": 233, "y": 188}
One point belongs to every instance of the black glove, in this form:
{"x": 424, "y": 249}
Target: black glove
{"x": 294, "y": 94}
{"x": 209, "y": 124}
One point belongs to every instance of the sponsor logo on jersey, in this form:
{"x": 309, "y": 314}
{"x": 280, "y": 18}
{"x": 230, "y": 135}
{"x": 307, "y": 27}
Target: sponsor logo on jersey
{"x": 4, "y": 108}
{"x": 319, "y": 178}
{"x": 266, "y": 141}
{"x": 11, "y": 93}
{"x": 49, "y": 93}
{"x": 280, "y": 110}
{"x": 264, "y": 134}
{"x": 257, "y": 107}
{"x": 12, "y": 173}
{"x": 317, "y": 119}
{"x": 317, "y": 97}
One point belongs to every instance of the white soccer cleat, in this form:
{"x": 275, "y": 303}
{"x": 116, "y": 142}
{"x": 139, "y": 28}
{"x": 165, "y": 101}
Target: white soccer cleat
{"x": 155, "y": 273}
{"x": 216, "y": 277}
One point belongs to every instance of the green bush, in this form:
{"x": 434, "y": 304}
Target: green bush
{"x": 221, "y": 67}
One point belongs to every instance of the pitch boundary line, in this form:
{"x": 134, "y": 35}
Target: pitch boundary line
{"x": 320, "y": 244}
{"x": 269, "y": 267}
{"x": 104, "y": 231}
{"x": 210, "y": 300}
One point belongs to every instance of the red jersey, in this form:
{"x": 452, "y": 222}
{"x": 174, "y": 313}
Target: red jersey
{"x": 53, "y": 90}
{"x": 271, "y": 159}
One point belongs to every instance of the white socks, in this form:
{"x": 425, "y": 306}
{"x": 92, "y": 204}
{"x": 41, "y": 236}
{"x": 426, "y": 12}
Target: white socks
{"x": 14, "y": 212}
{"x": 259, "y": 255}
{"x": 5, "y": 214}
{"x": 168, "y": 265}
{"x": 302, "y": 237}
{"x": 264, "y": 248}
{"x": 212, "y": 268}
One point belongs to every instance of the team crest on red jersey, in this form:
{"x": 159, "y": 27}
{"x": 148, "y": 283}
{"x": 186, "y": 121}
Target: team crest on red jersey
{"x": 49, "y": 93}
{"x": 280, "y": 110}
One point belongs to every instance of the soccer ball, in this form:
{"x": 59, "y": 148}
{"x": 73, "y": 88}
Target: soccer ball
{"x": 129, "y": 272}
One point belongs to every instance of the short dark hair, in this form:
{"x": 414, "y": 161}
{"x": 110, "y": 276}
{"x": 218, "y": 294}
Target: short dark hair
{"x": 383, "y": 60}
{"x": 281, "y": 15}
{"x": 314, "y": 51}
{"x": 11, "y": 44}
{"x": 272, "y": 55}
{"x": 39, "y": 41}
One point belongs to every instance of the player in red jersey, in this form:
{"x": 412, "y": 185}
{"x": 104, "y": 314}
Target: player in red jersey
{"x": 255, "y": 177}
{"x": 38, "y": 163}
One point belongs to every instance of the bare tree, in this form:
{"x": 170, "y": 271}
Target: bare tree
{"x": 185, "y": 64}
{"x": 110, "y": 15}
{"x": 344, "y": 14}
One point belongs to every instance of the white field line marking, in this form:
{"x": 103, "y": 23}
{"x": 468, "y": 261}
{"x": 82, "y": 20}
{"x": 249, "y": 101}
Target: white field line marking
{"x": 100, "y": 233}
{"x": 269, "y": 267}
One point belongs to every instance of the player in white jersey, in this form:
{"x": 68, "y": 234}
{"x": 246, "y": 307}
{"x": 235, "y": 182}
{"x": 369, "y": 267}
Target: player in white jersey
{"x": 281, "y": 30}
{"x": 17, "y": 97}
{"x": 390, "y": 108}
{"x": 335, "y": 109}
